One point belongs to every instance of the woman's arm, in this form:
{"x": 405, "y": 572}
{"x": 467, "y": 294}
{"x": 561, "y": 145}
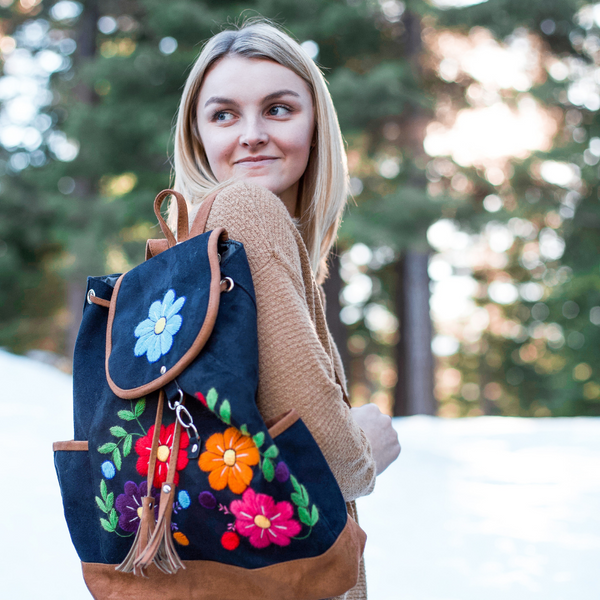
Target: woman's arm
{"x": 295, "y": 369}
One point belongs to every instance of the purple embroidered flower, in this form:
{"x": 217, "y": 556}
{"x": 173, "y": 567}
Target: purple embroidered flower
{"x": 282, "y": 473}
{"x": 129, "y": 505}
{"x": 207, "y": 500}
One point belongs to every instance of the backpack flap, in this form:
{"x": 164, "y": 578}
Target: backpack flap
{"x": 161, "y": 314}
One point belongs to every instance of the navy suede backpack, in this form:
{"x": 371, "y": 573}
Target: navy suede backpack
{"x": 174, "y": 487}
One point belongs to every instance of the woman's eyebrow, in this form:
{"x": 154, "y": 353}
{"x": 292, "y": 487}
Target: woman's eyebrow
{"x": 273, "y": 96}
{"x": 279, "y": 94}
{"x": 219, "y": 100}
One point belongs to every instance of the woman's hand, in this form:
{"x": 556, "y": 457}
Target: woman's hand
{"x": 380, "y": 433}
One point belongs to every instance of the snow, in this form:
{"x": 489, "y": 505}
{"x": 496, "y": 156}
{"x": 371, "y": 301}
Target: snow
{"x": 474, "y": 509}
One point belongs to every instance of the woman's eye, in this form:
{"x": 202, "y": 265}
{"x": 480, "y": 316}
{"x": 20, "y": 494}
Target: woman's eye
{"x": 223, "y": 116}
{"x": 278, "y": 111}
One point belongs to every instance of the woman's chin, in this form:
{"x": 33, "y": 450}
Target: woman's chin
{"x": 263, "y": 180}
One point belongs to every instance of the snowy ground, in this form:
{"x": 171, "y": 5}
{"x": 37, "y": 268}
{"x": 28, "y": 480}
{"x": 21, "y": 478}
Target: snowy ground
{"x": 475, "y": 509}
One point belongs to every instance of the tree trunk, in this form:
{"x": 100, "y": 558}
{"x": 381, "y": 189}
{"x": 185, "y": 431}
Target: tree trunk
{"x": 86, "y": 50}
{"x": 332, "y": 288}
{"x": 414, "y": 390}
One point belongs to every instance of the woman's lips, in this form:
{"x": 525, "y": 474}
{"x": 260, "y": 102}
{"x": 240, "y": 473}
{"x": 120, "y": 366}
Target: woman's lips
{"x": 256, "y": 160}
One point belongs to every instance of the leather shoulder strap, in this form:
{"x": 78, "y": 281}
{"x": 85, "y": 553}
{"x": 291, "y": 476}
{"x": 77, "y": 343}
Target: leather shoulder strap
{"x": 199, "y": 224}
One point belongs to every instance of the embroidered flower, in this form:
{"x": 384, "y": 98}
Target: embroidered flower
{"x": 157, "y": 331}
{"x": 230, "y": 540}
{"x": 129, "y": 505}
{"x": 282, "y": 473}
{"x": 264, "y": 521}
{"x": 228, "y": 457}
{"x": 143, "y": 447}
{"x": 181, "y": 538}
{"x": 207, "y": 500}
{"x": 184, "y": 499}
{"x": 108, "y": 469}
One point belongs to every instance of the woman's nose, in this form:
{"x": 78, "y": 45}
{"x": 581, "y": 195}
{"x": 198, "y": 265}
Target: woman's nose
{"x": 254, "y": 134}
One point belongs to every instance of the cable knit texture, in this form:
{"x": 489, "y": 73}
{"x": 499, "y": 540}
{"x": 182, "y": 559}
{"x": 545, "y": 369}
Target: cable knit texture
{"x": 295, "y": 349}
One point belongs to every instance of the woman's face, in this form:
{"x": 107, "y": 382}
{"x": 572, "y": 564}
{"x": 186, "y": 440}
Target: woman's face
{"x": 256, "y": 121}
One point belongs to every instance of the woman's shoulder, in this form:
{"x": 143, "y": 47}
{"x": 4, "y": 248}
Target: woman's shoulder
{"x": 255, "y": 216}
{"x": 251, "y": 200}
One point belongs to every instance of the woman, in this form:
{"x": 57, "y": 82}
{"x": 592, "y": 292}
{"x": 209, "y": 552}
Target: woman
{"x": 256, "y": 111}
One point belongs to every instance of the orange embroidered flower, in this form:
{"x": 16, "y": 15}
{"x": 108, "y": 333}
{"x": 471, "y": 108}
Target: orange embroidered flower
{"x": 228, "y": 457}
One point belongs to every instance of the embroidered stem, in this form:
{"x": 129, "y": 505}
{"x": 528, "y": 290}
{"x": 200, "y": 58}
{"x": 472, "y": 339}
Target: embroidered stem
{"x": 137, "y": 411}
{"x": 303, "y": 537}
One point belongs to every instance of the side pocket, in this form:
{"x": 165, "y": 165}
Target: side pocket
{"x": 71, "y": 461}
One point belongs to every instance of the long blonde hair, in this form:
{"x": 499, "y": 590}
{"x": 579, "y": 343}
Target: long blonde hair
{"x": 323, "y": 187}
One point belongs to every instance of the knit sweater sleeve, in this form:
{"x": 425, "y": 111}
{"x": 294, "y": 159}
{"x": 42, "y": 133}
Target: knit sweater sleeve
{"x": 295, "y": 369}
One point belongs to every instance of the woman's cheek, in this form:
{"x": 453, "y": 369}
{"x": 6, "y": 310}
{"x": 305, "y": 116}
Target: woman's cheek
{"x": 218, "y": 159}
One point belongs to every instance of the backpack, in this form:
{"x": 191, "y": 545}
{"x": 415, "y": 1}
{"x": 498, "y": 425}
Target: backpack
{"x": 174, "y": 487}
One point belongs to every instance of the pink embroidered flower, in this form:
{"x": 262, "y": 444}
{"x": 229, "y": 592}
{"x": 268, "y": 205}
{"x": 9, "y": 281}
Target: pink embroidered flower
{"x": 143, "y": 447}
{"x": 263, "y": 521}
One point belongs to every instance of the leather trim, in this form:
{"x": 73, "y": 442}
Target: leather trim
{"x": 201, "y": 339}
{"x": 331, "y": 574}
{"x": 100, "y": 301}
{"x": 277, "y": 425}
{"x": 70, "y": 446}
{"x": 199, "y": 223}
{"x": 154, "y": 247}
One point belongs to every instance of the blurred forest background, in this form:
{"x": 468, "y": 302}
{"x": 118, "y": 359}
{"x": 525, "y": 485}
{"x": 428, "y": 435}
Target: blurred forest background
{"x": 467, "y": 275}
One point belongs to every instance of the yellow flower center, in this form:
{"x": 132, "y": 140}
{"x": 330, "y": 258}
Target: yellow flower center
{"x": 163, "y": 453}
{"x": 139, "y": 512}
{"x": 229, "y": 457}
{"x": 160, "y": 326}
{"x": 262, "y": 522}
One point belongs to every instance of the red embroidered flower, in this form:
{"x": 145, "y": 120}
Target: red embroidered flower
{"x": 144, "y": 446}
{"x": 264, "y": 521}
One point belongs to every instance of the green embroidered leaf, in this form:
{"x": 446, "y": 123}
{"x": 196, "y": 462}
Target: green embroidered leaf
{"x": 244, "y": 429}
{"x": 101, "y": 505}
{"x": 298, "y": 500}
{"x": 113, "y": 518}
{"x": 295, "y": 484}
{"x": 116, "y": 456}
{"x": 107, "y": 526}
{"x": 314, "y": 516}
{"x": 118, "y": 431}
{"x": 271, "y": 452}
{"x": 304, "y": 516}
{"x": 110, "y": 501}
{"x": 126, "y": 415}
{"x": 268, "y": 469}
{"x": 225, "y": 412}
{"x": 127, "y": 445}
{"x": 258, "y": 439}
{"x": 140, "y": 406}
{"x": 211, "y": 398}
{"x": 304, "y": 495}
{"x": 103, "y": 490}
{"x": 107, "y": 448}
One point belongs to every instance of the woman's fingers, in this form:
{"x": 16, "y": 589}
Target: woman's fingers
{"x": 380, "y": 433}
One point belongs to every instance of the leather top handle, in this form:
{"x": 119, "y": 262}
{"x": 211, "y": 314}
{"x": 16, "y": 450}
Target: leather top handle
{"x": 182, "y": 217}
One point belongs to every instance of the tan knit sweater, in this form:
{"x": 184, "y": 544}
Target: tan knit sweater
{"x": 295, "y": 349}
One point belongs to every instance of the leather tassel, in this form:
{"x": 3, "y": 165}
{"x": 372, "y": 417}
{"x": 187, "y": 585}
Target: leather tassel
{"x": 147, "y": 521}
{"x": 143, "y": 535}
{"x": 160, "y": 550}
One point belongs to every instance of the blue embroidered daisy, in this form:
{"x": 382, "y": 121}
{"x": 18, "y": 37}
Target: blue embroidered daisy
{"x": 156, "y": 332}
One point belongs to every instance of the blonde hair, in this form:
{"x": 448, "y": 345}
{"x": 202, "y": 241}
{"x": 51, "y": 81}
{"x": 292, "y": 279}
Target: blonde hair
{"x": 323, "y": 187}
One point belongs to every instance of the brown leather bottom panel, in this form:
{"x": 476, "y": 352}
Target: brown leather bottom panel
{"x": 330, "y": 574}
